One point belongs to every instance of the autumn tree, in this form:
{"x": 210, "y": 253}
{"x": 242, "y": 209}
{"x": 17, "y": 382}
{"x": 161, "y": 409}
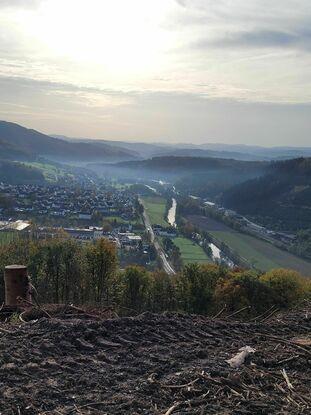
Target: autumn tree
{"x": 288, "y": 286}
{"x": 135, "y": 286}
{"x": 101, "y": 260}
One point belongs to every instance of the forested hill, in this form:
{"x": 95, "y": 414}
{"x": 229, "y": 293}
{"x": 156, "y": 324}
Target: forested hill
{"x": 17, "y": 142}
{"x": 299, "y": 167}
{"x": 175, "y": 163}
{"x": 200, "y": 176}
{"x": 11, "y": 172}
{"x": 281, "y": 198}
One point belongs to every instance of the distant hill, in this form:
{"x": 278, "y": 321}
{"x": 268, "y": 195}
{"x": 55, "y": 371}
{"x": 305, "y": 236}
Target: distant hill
{"x": 280, "y": 199}
{"x": 138, "y": 149}
{"x": 245, "y": 152}
{"x": 9, "y": 151}
{"x": 198, "y": 152}
{"x": 264, "y": 153}
{"x": 199, "y": 176}
{"x": 30, "y": 143}
{"x": 174, "y": 164}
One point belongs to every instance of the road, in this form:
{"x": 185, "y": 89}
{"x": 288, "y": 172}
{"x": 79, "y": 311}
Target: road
{"x": 161, "y": 254}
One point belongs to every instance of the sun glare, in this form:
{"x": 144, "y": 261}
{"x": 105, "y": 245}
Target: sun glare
{"x": 121, "y": 35}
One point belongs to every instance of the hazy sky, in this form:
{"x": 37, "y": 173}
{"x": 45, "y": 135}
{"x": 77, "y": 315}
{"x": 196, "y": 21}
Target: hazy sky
{"x": 236, "y": 71}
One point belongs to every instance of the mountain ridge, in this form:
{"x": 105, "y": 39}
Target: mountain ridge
{"x": 34, "y": 143}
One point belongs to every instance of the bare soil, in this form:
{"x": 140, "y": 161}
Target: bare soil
{"x": 155, "y": 364}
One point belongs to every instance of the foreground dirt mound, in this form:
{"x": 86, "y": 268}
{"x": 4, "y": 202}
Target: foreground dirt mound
{"x": 155, "y": 364}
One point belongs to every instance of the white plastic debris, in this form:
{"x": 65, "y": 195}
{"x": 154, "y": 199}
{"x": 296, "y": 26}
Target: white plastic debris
{"x": 238, "y": 360}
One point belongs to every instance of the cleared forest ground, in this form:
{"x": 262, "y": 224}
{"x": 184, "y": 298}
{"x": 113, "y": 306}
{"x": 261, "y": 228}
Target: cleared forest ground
{"x": 155, "y": 364}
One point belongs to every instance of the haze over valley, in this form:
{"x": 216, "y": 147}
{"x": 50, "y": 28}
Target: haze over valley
{"x": 155, "y": 207}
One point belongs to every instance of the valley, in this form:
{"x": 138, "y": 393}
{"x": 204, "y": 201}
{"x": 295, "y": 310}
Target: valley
{"x": 258, "y": 253}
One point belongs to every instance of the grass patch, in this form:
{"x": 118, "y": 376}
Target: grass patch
{"x": 191, "y": 252}
{"x": 261, "y": 254}
{"x": 156, "y": 210}
{"x": 51, "y": 173}
{"x": 6, "y": 237}
{"x": 120, "y": 220}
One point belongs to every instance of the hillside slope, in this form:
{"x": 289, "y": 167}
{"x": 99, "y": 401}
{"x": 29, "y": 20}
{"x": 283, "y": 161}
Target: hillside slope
{"x": 18, "y": 173}
{"x": 280, "y": 198}
{"x": 35, "y": 143}
{"x": 199, "y": 176}
{"x": 154, "y": 364}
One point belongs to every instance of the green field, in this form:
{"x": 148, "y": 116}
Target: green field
{"x": 257, "y": 252}
{"x": 156, "y": 209}
{"x": 50, "y": 172}
{"x": 120, "y": 220}
{"x": 6, "y": 237}
{"x": 191, "y": 252}
{"x": 261, "y": 254}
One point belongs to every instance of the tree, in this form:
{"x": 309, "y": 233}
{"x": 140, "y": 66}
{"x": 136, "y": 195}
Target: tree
{"x": 101, "y": 258}
{"x": 135, "y": 282}
{"x": 196, "y": 287}
{"x": 287, "y": 285}
{"x": 243, "y": 289}
{"x": 107, "y": 227}
{"x": 162, "y": 292}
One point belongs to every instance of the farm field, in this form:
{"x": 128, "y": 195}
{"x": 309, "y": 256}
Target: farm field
{"x": 6, "y": 237}
{"x": 191, "y": 252}
{"x": 156, "y": 208}
{"x": 257, "y": 252}
{"x": 51, "y": 173}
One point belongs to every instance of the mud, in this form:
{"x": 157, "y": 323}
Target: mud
{"x": 155, "y": 364}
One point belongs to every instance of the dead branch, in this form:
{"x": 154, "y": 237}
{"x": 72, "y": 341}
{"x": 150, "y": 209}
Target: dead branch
{"x": 179, "y": 386}
{"x": 288, "y": 342}
{"x": 88, "y": 405}
{"x": 238, "y": 311}
{"x": 262, "y": 315}
{"x": 220, "y": 312}
{"x": 172, "y": 408}
{"x": 37, "y": 305}
{"x": 289, "y": 384}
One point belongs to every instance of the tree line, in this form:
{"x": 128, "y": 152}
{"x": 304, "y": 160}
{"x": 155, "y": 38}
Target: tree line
{"x": 65, "y": 271}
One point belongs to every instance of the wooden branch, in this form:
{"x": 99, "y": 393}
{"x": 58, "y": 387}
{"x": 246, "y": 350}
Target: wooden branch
{"x": 172, "y": 408}
{"x": 180, "y": 386}
{"x": 239, "y": 311}
{"x": 220, "y": 312}
{"x": 289, "y": 385}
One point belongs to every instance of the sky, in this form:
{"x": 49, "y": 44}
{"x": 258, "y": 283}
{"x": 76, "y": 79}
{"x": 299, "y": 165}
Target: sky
{"x": 195, "y": 71}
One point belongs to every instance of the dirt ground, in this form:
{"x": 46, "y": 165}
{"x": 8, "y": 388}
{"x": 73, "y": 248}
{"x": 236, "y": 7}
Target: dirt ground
{"x": 155, "y": 364}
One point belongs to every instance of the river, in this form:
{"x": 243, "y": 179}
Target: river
{"x": 151, "y": 188}
{"x": 171, "y": 214}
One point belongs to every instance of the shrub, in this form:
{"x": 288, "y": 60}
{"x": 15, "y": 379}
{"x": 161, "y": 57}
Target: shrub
{"x": 288, "y": 286}
{"x": 243, "y": 289}
{"x": 196, "y": 285}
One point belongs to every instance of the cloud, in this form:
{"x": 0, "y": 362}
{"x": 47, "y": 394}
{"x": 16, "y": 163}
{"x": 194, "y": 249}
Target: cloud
{"x": 181, "y": 3}
{"x": 149, "y": 115}
{"x": 261, "y": 39}
{"x": 19, "y": 3}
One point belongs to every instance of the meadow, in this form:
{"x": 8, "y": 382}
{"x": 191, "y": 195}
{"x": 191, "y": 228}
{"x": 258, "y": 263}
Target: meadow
{"x": 50, "y": 172}
{"x": 258, "y": 253}
{"x": 191, "y": 252}
{"x": 156, "y": 209}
